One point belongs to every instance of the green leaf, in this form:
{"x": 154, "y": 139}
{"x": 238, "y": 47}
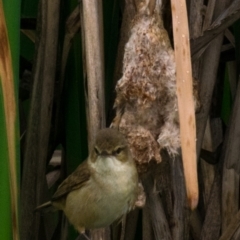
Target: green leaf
{"x": 9, "y": 126}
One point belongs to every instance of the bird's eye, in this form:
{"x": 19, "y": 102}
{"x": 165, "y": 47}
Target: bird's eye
{"x": 118, "y": 150}
{"x": 96, "y": 151}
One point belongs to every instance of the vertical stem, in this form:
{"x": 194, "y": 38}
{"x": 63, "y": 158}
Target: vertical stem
{"x": 93, "y": 32}
{"x": 40, "y": 116}
{"x": 185, "y": 99}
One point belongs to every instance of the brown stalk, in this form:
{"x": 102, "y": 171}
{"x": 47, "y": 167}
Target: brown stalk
{"x": 232, "y": 227}
{"x": 207, "y": 172}
{"x": 84, "y": 65}
{"x": 232, "y": 69}
{"x": 208, "y": 15}
{"x": 195, "y": 28}
{"x": 195, "y": 18}
{"x": 206, "y": 84}
{"x": 232, "y": 140}
{"x": 185, "y": 99}
{"x": 156, "y": 211}
{"x": 39, "y": 122}
{"x": 211, "y": 225}
{"x": 212, "y": 222}
{"x": 147, "y": 231}
{"x": 236, "y": 235}
{"x": 72, "y": 26}
{"x": 226, "y": 19}
{"x": 131, "y": 225}
{"x": 231, "y": 166}
{"x": 210, "y": 62}
{"x": 180, "y": 218}
{"x": 128, "y": 14}
{"x": 93, "y": 34}
{"x": 196, "y": 224}
{"x": 30, "y": 34}
{"x": 93, "y": 42}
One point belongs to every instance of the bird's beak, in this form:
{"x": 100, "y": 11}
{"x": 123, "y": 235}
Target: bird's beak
{"x": 104, "y": 154}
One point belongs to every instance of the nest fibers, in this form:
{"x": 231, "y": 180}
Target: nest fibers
{"x": 146, "y": 102}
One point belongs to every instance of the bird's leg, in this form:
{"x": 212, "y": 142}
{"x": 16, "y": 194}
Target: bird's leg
{"x": 85, "y": 235}
{"x": 82, "y": 232}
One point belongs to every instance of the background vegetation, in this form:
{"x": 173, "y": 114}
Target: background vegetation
{"x": 52, "y": 117}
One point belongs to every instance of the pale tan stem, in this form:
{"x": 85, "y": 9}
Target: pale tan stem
{"x": 93, "y": 34}
{"x": 93, "y": 42}
{"x": 185, "y": 98}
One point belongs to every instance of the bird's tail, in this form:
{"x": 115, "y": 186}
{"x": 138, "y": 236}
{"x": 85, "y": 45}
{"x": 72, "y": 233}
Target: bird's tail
{"x": 46, "y": 207}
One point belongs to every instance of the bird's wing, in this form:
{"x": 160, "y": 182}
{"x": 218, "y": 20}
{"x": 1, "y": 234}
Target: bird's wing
{"x": 74, "y": 181}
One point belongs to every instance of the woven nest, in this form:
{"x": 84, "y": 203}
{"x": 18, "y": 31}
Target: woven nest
{"x": 146, "y": 102}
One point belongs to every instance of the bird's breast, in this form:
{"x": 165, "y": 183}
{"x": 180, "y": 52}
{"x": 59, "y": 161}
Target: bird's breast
{"x": 110, "y": 193}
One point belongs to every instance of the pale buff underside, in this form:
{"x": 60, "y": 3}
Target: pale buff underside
{"x": 99, "y": 203}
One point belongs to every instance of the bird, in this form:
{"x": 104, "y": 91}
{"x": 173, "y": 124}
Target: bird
{"x": 103, "y": 188}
